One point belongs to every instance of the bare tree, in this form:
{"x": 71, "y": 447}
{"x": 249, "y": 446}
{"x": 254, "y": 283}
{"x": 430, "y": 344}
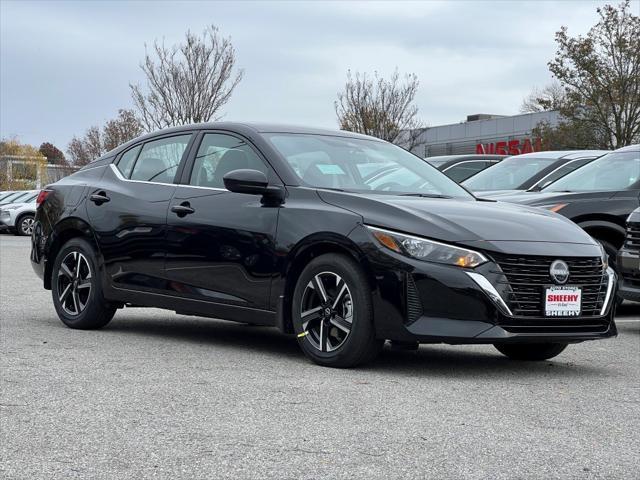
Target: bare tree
{"x": 96, "y": 142}
{"x": 121, "y": 129}
{"x": 600, "y": 73}
{"x": 186, "y": 83}
{"x": 381, "y": 108}
{"x": 550, "y": 97}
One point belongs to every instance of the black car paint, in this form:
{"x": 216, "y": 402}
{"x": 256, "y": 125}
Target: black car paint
{"x": 151, "y": 256}
{"x": 602, "y": 214}
{"x": 629, "y": 259}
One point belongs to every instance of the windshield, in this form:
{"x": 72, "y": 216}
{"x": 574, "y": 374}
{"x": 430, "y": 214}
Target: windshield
{"x": 361, "y": 165}
{"x": 615, "y": 171}
{"x": 509, "y": 174}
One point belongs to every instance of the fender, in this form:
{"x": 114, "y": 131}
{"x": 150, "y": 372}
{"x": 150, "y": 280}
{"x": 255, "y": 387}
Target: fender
{"x": 602, "y": 224}
{"x": 62, "y": 231}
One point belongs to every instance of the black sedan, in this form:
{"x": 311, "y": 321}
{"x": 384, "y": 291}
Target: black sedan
{"x": 460, "y": 167}
{"x": 598, "y": 197}
{"x": 284, "y": 226}
{"x": 529, "y": 172}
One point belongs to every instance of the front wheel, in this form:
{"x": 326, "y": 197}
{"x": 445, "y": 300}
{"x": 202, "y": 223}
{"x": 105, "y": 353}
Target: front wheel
{"x": 333, "y": 314}
{"x": 76, "y": 287}
{"x": 530, "y": 351}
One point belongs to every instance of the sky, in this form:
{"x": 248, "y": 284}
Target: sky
{"x": 65, "y": 66}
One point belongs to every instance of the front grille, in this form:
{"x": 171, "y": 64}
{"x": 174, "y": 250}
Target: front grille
{"x": 632, "y": 240}
{"x": 527, "y": 276}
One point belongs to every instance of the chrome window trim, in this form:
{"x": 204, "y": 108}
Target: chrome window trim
{"x": 470, "y": 161}
{"x": 121, "y": 177}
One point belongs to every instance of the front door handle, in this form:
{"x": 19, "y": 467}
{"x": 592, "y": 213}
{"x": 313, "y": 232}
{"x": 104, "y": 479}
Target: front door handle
{"x": 183, "y": 209}
{"x": 99, "y": 198}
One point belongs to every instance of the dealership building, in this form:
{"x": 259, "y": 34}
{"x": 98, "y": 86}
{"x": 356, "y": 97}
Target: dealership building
{"x": 484, "y": 133}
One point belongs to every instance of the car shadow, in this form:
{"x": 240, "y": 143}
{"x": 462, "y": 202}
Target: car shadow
{"x": 429, "y": 360}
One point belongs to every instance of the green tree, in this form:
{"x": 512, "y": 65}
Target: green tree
{"x": 600, "y": 74}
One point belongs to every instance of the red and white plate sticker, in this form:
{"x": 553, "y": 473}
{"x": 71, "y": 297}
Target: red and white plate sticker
{"x": 562, "y": 301}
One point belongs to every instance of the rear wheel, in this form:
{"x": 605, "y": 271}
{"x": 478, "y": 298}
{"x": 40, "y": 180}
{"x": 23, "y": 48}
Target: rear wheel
{"x": 24, "y": 225}
{"x": 76, "y": 287}
{"x": 332, "y": 313}
{"x": 530, "y": 351}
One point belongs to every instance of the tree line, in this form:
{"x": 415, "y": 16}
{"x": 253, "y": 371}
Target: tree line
{"x": 596, "y": 89}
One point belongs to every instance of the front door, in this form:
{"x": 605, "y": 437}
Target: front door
{"x": 128, "y": 210}
{"x": 221, "y": 245}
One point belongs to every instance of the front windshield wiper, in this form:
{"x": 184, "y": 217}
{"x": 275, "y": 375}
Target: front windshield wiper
{"x": 424, "y": 195}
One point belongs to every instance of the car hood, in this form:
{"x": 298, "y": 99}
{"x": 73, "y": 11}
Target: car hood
{"x": 460, "y": 221}
{"x": 496, "y": 193}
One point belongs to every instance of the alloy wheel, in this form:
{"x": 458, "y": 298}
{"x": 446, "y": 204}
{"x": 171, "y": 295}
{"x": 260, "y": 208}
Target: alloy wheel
{"x": 27, "y": 226}
{"x": 326, "y": 311}
{"x": 74, "y": 283}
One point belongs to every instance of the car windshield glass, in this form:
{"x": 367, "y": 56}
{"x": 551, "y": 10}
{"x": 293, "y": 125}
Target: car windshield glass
{"x": 615, "y": 171}
{"x": 509, "y": 174}
{"x": 438, "y": 161}
{"x": 360, "y": 165}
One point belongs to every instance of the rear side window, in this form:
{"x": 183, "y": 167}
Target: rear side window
{"x": 127, "y": 160}
{"x": 562, "y": 171}
{"x": 158, "y": 160}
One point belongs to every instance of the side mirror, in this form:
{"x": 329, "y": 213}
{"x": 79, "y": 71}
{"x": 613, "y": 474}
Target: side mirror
{"x": 254, "y": 182}
{"x": 246, "y": 181}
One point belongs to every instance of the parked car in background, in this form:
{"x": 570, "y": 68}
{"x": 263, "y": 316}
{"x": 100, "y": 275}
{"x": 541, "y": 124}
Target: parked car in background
{"x": 279, "y": 226}
{"x": 18, "y": 217}
{"x": 461, "y": 167}
{"x": 530, "y": 171}
{"x": 629, "y": 260}
{"x": 18, "y": 197}
{"x": 5, "y": 193}
{"x": 599, "y": 197}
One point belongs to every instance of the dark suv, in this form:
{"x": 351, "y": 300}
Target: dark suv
{"x": 629, "y": 259}
{"x": 341, "y": 239}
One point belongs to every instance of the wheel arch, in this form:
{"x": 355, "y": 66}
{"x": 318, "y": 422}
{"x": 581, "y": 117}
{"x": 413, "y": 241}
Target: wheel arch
{"x": 306, "y": 250}
{"x": 604, "y": 229}
{"x": 64, "y": 231}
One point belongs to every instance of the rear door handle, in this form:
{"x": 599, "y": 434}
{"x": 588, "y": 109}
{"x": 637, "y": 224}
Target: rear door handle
{"x": 99, "y": 198}
{"x": 183, "y": 209}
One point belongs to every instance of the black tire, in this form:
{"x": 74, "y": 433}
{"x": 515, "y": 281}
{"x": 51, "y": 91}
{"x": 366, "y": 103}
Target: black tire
{"x": 530, "y": 351}
{"x": 24, "y": 225}
{"x": 355, "y": 347}
{"x": 95, "y": 312}
{"x": 612, "y": 252}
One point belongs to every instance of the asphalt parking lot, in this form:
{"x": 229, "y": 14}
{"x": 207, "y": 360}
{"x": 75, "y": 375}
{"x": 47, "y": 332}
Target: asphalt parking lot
{"x": 160, "y": 395}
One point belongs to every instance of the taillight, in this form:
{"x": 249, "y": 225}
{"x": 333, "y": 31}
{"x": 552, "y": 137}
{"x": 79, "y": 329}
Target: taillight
{"x": 42, "y": 196}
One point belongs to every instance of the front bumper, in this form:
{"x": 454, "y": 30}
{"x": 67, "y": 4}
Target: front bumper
{"x": 432, "y": 303}
{"x": 7, "y": 220}
{"x": 629, "y": 269}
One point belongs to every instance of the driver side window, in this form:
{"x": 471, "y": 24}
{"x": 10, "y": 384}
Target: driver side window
{"x": 220, "y": 154}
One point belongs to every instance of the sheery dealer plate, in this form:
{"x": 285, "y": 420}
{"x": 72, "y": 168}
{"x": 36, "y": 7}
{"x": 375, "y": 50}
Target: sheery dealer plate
{"x": 562, "y": 301}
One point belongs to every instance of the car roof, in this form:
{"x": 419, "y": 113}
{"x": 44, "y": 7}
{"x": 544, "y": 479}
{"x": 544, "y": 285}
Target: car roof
{"x": 470, "y": 156}
{"x": 629, "y": 148}
{"x": 558, "y": 154}
{"x": 241, "y": 127}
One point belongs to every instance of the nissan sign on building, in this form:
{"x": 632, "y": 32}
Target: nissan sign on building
{"x": 484, "y": 133}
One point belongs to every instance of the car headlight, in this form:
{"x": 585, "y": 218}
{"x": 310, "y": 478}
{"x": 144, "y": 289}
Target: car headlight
{"x": 554, "y": 207}
{"x": 427, "y": 250}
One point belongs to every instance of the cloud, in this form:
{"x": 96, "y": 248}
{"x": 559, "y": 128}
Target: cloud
{"x": 67, "y": 65}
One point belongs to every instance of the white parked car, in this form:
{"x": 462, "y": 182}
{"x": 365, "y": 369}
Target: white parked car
{"x": 18, "y": 217}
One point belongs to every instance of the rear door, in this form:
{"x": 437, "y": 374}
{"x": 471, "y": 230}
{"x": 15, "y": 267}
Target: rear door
{"x": 221, "y": 245}
{"x": 128, "y": 211}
